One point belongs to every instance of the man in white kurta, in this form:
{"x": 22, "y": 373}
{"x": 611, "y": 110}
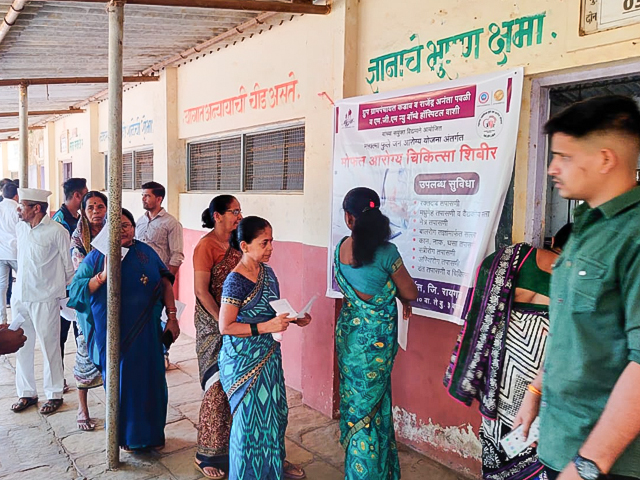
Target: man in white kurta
{"x": 44, "y": 271}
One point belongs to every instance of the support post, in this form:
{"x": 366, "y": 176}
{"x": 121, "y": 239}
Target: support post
{"x": 23, "y": 128}
{"x": 116, "y": 30}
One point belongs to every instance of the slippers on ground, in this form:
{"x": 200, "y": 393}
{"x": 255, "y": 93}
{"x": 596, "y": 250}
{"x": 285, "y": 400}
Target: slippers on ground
{"x": 65, "y": 388}
{"x": 86, "y": 425}
{"x": 204, "y": 464}
{"x": 51, "y": 406}
{"x": 293, "y": 471}
{"x": 24, "y": 403}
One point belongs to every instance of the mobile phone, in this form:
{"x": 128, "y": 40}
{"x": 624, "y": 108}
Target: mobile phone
{"x": 167, "y": 338}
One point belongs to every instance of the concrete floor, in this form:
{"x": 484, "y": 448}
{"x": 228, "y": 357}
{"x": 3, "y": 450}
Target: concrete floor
{"x": 51, "y": 447}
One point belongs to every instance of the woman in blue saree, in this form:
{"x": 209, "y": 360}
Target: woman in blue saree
{"x": 146, "y": 289}
{"x": 251, "y": 363}
{"x": 370, "y": 273}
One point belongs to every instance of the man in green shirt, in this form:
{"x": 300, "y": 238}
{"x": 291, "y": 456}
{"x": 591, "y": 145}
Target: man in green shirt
{"x": 590, "y": 384}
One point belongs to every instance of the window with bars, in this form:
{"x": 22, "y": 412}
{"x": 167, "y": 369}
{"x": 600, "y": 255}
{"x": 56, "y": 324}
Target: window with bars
{"x": 137, "y": 169}
{"x": 215, "y": 165}
{"x": 263, "y": 161}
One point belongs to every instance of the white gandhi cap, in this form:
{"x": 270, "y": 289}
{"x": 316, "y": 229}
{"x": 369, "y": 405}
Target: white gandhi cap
{"x": 33, "y": 194}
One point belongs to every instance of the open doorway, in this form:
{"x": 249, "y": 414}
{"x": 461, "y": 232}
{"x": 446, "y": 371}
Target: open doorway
{"x": 559, "y": 210}
{"x": 546, "y": 210}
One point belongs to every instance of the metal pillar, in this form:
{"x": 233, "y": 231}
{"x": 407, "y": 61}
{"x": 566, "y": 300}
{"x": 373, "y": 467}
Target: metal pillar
{"x": 116, "y": 27}
{"x": 23, "y": 167}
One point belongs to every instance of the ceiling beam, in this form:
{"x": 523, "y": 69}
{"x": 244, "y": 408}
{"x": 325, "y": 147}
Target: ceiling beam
{"x": 14, "y": 82}
{"x": 36, "y": 113}
{"x": 301, "y": 7}
{"x": 11, "y": 130}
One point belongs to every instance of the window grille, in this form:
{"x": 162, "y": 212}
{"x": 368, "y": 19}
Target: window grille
{"x": 265, "y": 161}
{"x": 143, "y": 167}
{"x": 275, "y": 160}
{"x": 215, "y": 165}
{"x": 127, "y": 171}
{"x": 140, "y": 163}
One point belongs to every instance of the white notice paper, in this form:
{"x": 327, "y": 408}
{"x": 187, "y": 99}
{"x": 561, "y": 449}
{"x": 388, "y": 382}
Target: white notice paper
{"x": 17, "y": 322}
{"x": 283, "y": 306}
{"x": 403, "y": 326}
{"x": 66, "y": 312}
{"x": 179, "y": 306}
{"x": 101, "y": 242}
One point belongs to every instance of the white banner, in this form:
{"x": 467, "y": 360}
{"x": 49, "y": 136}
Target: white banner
{"x": 441, "y": 158}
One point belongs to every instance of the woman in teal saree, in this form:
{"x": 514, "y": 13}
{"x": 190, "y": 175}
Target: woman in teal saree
{"x": 250, "y": 361}
{"x": 370, "y": 274}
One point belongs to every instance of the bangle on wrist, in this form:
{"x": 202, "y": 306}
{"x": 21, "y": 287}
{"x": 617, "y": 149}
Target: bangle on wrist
{"x": 534, "y": 390}
{"x": 254, "y": 330}
{"x": 171, "y": 309}
{"x": 97, "y": 277}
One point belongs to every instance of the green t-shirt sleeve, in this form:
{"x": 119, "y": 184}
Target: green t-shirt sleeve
{"x": 391, "y": 260}
{"x": 631, "y": 297}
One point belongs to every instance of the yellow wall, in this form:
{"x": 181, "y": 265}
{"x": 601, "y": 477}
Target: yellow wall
{"x": 385, "y": 27}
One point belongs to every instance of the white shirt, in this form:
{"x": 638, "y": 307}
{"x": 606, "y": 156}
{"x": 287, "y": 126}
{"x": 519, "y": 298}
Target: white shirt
{"x": 163, "y": 233}
{"x": 8, "y": 221}
{"x": 44, "y": 261}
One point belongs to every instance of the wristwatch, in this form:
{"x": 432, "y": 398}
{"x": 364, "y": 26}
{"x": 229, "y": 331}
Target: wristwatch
{"x": 587, "y": 469}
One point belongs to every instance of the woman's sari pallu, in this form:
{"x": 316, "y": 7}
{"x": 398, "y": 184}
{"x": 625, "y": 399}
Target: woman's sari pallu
{"x": 252, "y": 376}
{"x": 214, "y": 423}
{"x": 143, "y": 387}
{"x": 498, "y": 353}
{"x": 366, "y": 344}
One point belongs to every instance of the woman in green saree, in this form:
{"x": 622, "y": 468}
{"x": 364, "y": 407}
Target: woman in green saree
{"x": 371, "y": 274}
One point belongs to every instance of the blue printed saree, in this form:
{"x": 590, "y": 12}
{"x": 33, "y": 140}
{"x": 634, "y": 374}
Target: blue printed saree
{"x": 366, "y": 345}
{"x": 252, "y": 377}
{"x": 143, "y": 387}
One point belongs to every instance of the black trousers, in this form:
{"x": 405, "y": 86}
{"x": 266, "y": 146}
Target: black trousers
{"x": 10, "y": 287}
{"x": 552, "y": 474}
{"x": 65, "y": 325}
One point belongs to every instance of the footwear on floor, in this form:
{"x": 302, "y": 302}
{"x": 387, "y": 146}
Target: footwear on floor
{"x": 24, "y": 403}
{"x": 293, "y": 471}
{"x": 86, "y": 425}
{"x": 202, "y": 464}
{"x": 51, "y": 406}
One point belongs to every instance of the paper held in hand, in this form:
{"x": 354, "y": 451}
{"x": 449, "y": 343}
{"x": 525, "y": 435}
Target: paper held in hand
{"x": 101, "y": 242}
{"x": 179, "y": 306}
{"x": 17, "y": 322}
{"x": 283, "y": 306}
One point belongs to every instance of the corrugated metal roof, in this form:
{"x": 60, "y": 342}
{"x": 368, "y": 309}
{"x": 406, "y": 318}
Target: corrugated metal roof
{"x": 62, "y": 39}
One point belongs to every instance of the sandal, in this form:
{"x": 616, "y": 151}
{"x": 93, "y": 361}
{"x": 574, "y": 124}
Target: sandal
{"x": 24, "y": 403}
{"x": 202, "y": 464}
{"x": 51, "y": 406}
{"x": 86, "y": 425}
{"x": 293, "y": 471}
{"x": 65, "y": 388}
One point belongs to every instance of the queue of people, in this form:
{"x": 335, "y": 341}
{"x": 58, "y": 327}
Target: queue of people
{"x": 549, "y": 332}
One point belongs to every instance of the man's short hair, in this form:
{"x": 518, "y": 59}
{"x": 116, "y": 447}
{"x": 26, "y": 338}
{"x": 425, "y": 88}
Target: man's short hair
{"x": 4, "y": 181}
{"x": 16, "y": 181}
{"x": 9, "y": 190}
{"x": 73, "y": 185}
{"x": 605, "y": 114}
{"x": 157, "y": 189}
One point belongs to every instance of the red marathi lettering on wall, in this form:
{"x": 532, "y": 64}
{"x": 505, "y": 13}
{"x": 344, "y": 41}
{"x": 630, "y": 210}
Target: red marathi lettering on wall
{"x": 259, "y": 99}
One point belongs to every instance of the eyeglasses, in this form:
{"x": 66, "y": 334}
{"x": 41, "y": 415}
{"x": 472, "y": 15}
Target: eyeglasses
{"x": 235, "y": 212}
{"x": 27, "y": 205}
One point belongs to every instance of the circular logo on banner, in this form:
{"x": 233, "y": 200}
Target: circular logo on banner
{"x": 490, "y": 124}
{"x": 498, "y": 95}
{"x": 483, "y": 98}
